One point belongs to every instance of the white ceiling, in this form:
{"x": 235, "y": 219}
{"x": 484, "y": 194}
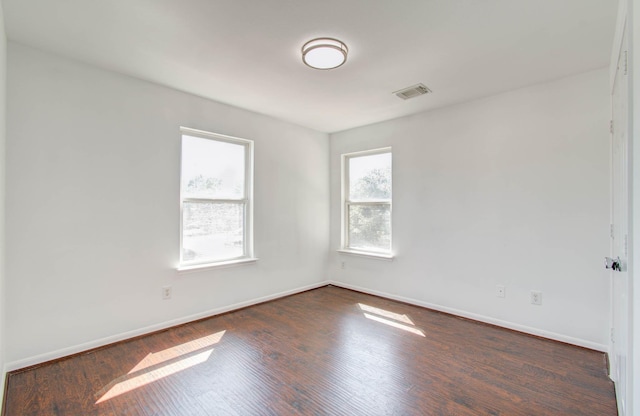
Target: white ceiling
{"x": 247, "y": 52}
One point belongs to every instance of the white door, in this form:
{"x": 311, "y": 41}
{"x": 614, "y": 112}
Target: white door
{"x": 620, "y": 291}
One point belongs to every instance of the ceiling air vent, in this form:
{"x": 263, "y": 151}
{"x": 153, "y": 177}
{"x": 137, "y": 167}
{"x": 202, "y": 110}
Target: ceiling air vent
{"x": 412, "y": 91}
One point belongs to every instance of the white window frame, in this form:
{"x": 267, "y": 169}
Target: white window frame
{"x": 347, "y": 202}
{"x": 247, "y": 201}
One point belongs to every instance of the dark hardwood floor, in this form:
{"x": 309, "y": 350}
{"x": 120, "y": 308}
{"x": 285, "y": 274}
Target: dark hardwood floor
{"x": 329, "y": 351}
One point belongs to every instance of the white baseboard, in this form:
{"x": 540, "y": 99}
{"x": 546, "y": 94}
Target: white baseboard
{"x": 38, "y": 359}
{"x": 3, "y": 386}
{"x": 481, "y": 318}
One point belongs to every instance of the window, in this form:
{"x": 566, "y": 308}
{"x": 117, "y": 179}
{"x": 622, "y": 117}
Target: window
{"x": 215, "y": 199}
{"x": 366, "y": 212}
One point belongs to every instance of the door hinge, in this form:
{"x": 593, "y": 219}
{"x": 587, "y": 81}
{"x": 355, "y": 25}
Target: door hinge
{"x": 626, "y": 244}
{"x": 611, "y": 126}
{"x": 612, "y": 337}
{"x": 612, "y": 231}
{"x": 625, "y": 62}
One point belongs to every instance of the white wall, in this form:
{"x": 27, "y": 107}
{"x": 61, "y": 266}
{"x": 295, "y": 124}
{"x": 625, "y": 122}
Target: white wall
{"x": 512, "y": 190}
{"x": 3, "y": 73}
{"x": 92, "y": 206}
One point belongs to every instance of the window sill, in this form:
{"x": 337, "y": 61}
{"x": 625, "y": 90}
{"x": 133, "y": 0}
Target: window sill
{"x": 377, "y": 256}
{"x": 217, "y": 265}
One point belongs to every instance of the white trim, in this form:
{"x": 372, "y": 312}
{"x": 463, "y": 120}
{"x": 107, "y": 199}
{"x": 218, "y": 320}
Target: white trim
{"x": 343, "y": 197}
{"x": 381, "y": 202}
{"x": 3, "y": 384}
{"x": 633, "y": 20}
{"x": 64, "y": 352}
{"x": 214, "y": 136}
{"x": 480, "y": 318}
{"x": 239, "y": 201}
{"x": 218, "y": 265}
{"x": 371, "y": 152}
{"x": 246, "y": 201}
{"x": 377, "y": 256}
{"x": 346, "y": 200}
{"x": 621, "y": 21}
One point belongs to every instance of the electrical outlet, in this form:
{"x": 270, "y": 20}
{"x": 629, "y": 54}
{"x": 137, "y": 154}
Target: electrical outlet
{"x": 166, "y": 292}
{"x": 500, "y": 291}
{"x": 536, "y": 297}
{"x": 343, "y": 265}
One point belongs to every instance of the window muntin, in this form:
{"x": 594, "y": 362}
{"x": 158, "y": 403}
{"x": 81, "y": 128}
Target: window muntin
{"x": 367, "y": 190}
{"x": 216, "y": 191}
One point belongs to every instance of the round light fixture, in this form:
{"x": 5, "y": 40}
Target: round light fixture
{"x": 324, "y": 53}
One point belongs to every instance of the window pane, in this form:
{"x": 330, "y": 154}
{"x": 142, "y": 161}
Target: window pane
{"x": 370, "y": 227}
{"x": 212, "y": 169}
{"x": 370, "y": 177}
{"x": 212, "y": 231}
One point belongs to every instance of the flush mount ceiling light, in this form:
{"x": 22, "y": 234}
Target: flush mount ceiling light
{"x": 324, "y": 53}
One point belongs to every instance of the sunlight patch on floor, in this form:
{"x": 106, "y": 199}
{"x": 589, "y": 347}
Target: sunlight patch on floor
{"x": 158, "y": 365}
{"x": 155, "y": 358}
{"x": 395, "y": 324}
{"x": 396, "y": 320}
{"x": 385, "y": 313}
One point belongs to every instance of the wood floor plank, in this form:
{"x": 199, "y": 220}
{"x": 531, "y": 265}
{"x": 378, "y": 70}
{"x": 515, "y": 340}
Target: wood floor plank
{"x": 328, "y": 351}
